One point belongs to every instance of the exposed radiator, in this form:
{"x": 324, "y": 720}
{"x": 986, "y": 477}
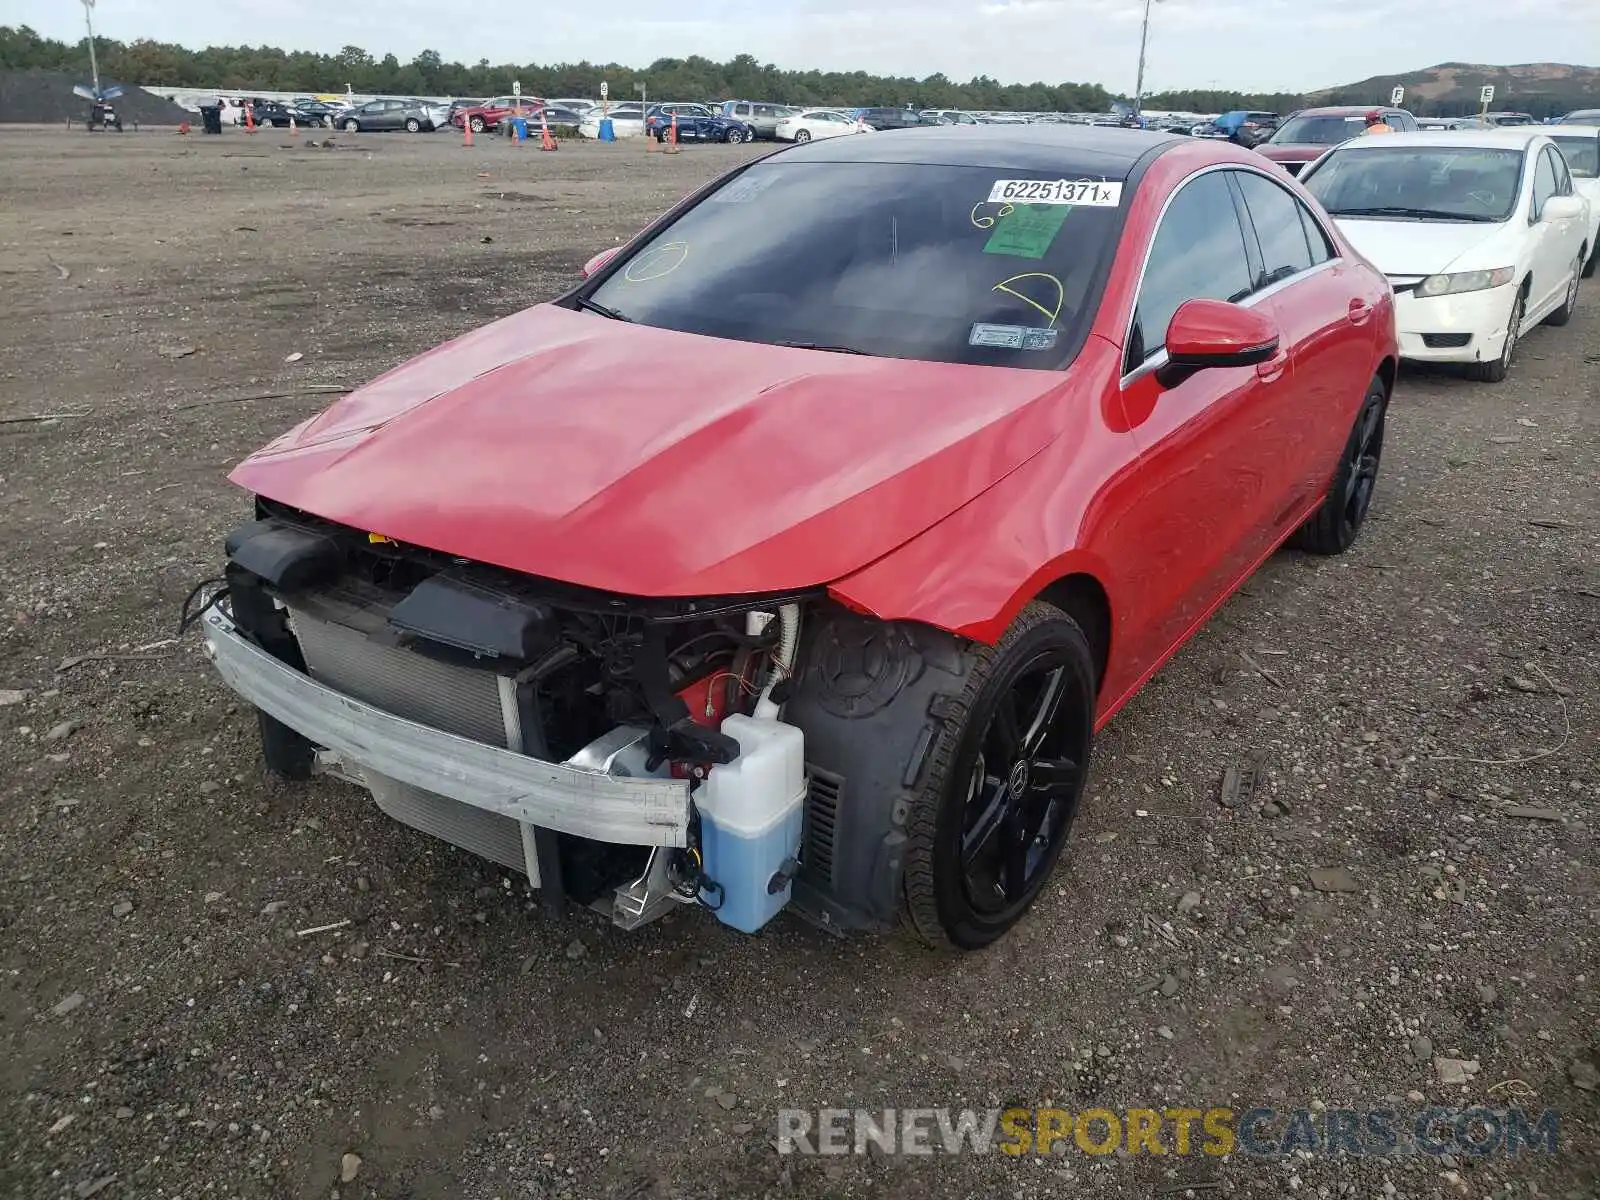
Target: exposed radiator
{"x": 461, "y": 700}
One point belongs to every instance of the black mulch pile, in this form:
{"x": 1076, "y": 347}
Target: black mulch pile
{"x": 45, "y": 98}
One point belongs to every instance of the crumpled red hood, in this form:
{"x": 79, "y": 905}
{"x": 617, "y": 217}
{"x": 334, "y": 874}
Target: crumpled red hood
{"x": 656, "y": 463}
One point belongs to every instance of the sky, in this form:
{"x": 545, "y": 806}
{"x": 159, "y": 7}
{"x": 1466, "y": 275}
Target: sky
{"x": 1251, "y": 45}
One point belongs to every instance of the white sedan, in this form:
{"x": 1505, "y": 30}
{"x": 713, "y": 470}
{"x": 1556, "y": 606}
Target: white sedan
{"x": 1482, "y": 235}
{"x": 818, "y": 123}
{"x": 627, "y": 123}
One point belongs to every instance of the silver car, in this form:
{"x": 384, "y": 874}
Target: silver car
{"x": 376, "y": 116}
{"x": 759, "y": 113}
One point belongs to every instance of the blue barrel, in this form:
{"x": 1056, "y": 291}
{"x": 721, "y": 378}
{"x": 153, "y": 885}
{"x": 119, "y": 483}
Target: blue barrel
{"x": 519, "y": 128}
{"x": 608, "y": 131}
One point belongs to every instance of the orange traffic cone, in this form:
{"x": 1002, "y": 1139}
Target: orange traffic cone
{"x": 672, "y": 136}
{"x": 183, "y": 128}
{"x": 466, "y": 130}
{"x": 294, "y": 130}
{"x": 546, "y": 142}
{"x": 249, "y": 118}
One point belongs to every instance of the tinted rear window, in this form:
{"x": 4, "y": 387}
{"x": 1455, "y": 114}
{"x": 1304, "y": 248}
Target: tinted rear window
{"x": 891, "y": 259}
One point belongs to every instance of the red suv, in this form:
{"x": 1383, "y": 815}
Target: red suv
{"x": 490, "y": 113}
{"x": 1306, "y": 135}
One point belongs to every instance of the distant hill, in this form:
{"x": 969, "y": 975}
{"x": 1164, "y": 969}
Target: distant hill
{"x": 1451, "y": 89}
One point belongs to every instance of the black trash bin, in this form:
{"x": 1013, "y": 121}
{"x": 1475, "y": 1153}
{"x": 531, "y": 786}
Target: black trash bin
{"x": 211, "y": 117}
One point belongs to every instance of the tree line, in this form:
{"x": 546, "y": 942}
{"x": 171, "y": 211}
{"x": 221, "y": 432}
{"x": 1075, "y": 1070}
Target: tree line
{"x": 243, "y": 69}
{"x": 266, "y": 68}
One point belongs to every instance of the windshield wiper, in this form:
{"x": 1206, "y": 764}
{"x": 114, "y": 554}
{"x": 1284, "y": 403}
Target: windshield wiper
{"x": 821, "y": 346}
{"x": 1424, "y": 214}
{"x": 595, "y": 306}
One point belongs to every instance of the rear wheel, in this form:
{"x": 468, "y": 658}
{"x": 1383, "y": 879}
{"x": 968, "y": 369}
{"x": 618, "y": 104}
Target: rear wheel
{"x": 413, "y": 125}
{"x": 1496, "y": 370}
{"x": 1334, "y": 527}
{"x": 1005, "y": 777}
{"x": 1570, "y": 304}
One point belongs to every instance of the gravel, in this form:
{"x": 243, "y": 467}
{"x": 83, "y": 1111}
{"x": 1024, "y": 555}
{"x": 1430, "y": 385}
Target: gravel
{"x": 487, "y": 1061}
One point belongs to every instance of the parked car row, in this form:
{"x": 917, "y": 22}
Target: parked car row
{"x": 1482, "y": 234}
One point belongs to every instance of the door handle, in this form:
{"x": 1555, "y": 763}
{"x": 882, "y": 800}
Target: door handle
{"x": 1273, "y": 367}
{"x": 1360, "y": 310}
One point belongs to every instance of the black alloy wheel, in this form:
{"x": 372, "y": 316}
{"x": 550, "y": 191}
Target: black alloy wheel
{"x": 1022, "y": 789}
{"x": 1009, "y": 769}
{"x": 1336, "y": 524}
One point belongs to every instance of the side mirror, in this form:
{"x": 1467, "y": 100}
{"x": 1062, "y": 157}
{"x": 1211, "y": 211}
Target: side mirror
{"x": 1562, "y": 208}
{"x": 599, "y": 260}
{"x": 1213, "y": 333}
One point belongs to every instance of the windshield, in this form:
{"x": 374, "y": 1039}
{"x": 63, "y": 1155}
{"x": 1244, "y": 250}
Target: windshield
{"x": 1582, "y": 155}
{"x": 1441, "y": 183}
{"x": 898, "y": 260}
{"x": 1318, "y": 131}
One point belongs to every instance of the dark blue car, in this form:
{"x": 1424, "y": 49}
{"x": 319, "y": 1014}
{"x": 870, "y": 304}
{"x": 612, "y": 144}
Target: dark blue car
{"x": 696, "y": 123}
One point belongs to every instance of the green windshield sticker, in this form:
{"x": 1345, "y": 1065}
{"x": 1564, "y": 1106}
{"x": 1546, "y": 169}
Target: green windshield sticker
{"x": 1027, "y": 230}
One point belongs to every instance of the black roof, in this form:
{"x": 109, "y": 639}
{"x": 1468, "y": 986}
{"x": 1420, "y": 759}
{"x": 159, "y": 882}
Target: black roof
{"x": 1064, "y": 150}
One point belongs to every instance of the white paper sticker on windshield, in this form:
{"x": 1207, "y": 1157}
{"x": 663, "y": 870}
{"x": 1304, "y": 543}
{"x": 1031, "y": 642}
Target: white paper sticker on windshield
{"x": 746, "y": 187}
{"x": 1091, "y": 193}
{"x": 1011, "y": 337}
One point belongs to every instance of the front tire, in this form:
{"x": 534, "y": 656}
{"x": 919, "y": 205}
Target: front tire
{"x": 352, "y": 127}
{"x": 1495, "y": 371}
{"x": 477, "y": 124}
{"x": 1003, "y": 783}
{"x": 802, "y": 137}
{"x": 1570, "y": 305}
{"x": 733, "y": 135}
{"x": 1334, "y": 528}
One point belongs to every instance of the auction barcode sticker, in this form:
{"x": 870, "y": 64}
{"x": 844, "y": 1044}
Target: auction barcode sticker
{"x": 1088, "y": 192}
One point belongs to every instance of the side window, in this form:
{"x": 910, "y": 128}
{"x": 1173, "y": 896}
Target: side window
{"x": 1563, "y": 175}
{"x": 1401, "y": 122}
{"x": 1316, "y": 237}
{"x": 1279, "y": 229}
{"x": 1198, "y": 253}
{"x": 1544, "y": 183}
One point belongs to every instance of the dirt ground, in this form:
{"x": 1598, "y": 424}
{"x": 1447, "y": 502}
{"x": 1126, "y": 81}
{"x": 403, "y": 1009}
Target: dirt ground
{"x": 165, "y": 1032}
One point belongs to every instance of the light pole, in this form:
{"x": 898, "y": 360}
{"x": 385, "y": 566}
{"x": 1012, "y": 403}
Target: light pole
{"x": 1144, "y": 38}
{"x": 94, "y": 67}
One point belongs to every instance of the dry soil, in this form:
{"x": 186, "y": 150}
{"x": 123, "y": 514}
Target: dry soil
{"x": 165, "y": 1032}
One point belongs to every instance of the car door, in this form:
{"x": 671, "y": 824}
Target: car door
{"x": 1551, "y": 257}
{"x": 1307, "y": 289}
{"x": 1575, "y": 230}
{"x": 1209, "y": 495}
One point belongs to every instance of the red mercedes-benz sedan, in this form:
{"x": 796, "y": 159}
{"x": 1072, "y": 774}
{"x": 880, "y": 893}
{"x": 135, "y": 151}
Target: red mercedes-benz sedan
{"x": 794, "y": 557}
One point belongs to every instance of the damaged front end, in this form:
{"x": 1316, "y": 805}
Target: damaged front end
{"x": 562, "y": 732}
